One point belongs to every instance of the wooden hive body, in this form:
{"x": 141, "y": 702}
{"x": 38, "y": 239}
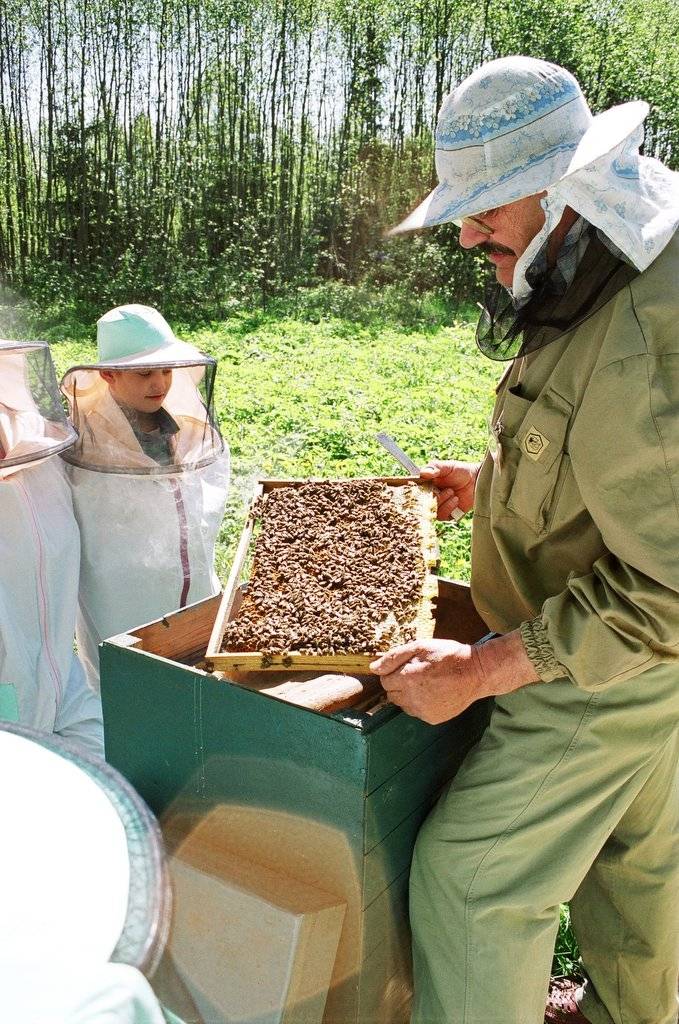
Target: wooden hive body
{"x": 333, "y": 801}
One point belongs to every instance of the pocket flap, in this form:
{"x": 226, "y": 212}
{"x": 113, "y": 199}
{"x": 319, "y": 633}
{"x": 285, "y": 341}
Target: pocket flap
{"x": 543, "y": 434}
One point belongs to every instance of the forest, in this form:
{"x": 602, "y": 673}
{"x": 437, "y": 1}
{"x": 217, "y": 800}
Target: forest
{"x": 203, "y": 155}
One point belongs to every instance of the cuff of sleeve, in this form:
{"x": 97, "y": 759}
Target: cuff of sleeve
{"x": 540, "y": 652}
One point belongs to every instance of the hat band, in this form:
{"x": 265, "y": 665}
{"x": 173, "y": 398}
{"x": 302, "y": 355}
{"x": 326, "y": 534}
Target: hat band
{"x": 540, "y": 171}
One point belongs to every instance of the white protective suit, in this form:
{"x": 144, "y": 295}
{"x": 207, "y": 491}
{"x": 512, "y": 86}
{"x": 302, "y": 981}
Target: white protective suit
{"x": 42, "y": 683}
{"x": 148, "y": 532}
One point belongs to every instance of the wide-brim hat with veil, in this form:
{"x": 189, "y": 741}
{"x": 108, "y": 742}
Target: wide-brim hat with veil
{"x": 135, "y": 337}
{"x": 519, "y": 126}
{"x": 33, "y": 424}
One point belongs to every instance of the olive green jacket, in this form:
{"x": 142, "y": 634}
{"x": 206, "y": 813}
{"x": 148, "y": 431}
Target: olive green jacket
{"x": 576, "y": 519}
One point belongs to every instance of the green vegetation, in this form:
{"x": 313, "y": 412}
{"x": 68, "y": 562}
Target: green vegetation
{"x": 566, "y": 963}
{"x": 302, "y": 391}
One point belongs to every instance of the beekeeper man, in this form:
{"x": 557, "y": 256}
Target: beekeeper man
{"x": 572, "y": 792}
{"x": 149, "y": 476}
{"x": 42, "y": 683}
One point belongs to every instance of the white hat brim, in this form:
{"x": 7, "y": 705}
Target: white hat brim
{"x": 606, "y": 131}
{"x": 178, "y": 353}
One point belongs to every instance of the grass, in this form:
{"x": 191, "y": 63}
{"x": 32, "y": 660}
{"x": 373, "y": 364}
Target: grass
{"x": 303, "y": 388}
{"x": 304, "y": 395}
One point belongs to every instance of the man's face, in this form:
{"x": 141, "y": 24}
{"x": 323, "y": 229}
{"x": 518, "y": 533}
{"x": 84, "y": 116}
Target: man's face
{"x": 143, "y": 390}
{"x": 512, "y": 228}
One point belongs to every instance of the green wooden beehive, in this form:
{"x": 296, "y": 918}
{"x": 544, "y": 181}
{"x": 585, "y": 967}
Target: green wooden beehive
{"x": 332, "y": 800}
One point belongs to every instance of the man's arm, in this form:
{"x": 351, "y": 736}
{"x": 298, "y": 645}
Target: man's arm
{"x": 435, "y": 680}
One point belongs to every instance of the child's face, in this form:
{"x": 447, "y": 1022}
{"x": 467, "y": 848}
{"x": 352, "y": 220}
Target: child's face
{"x": 143, "y": 390}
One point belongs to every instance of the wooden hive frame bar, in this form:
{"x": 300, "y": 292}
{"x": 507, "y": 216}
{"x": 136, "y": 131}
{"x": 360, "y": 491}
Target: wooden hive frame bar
{"x": 248, "y": 661}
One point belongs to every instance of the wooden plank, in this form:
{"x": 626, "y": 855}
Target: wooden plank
{"x": 400, "y": 795}
{"x": 385, "y": 921}
{"x": 400, "y": 739}
{"x": 179, "y": 634}
{"x": 392, "y": 856}
{"x": 425, "y": 511}
{"x": 429, "y": 549}
{"x": 226, "y": 608}
{"x": 251, "y": 661}
{"x": 392, "y": 481}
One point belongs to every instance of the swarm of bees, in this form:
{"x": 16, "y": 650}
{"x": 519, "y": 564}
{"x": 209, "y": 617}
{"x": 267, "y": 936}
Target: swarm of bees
{"x": 339, "y": 567}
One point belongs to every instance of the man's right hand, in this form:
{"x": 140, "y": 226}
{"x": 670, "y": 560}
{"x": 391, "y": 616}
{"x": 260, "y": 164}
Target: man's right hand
{"x": 455, "y": 482}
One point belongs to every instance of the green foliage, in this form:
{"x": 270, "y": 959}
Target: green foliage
{"x": 566, "y": 963}
{"x": 222, "y": 152}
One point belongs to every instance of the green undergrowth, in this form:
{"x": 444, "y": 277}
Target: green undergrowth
{"x": 301, "y": 392}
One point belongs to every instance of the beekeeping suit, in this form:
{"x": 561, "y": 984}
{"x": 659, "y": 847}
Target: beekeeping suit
{"x": 42, "y": 683}
{"x": 149, "y": 503}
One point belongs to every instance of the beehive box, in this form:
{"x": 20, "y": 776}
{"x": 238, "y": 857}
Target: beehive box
{"x": 334, "y": 801}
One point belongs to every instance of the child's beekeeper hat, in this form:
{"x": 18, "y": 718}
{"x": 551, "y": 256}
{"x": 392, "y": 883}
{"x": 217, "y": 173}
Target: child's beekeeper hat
{"x": 135, "y": 338}
{"x": 135, "y": 335}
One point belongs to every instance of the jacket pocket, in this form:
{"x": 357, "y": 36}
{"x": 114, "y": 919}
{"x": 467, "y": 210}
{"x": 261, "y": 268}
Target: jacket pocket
{"x": 542, "y": 462}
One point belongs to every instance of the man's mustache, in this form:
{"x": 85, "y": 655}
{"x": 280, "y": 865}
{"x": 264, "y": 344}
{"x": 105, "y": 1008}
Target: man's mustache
{"x": 494, "y": 247}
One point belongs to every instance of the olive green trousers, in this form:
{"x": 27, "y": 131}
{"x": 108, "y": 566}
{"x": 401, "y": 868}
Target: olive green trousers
{"x": 569, "y": 796}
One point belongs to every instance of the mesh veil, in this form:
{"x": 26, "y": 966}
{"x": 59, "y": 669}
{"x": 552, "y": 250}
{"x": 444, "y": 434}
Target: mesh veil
{"x": 33, "y": 424}
{"x": 504, "y": 332}
{"x": 111, "y": 439}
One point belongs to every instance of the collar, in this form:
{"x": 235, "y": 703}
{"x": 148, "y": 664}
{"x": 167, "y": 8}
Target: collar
{"x": 555, "y": 307}
{"x": 163, "y": 422}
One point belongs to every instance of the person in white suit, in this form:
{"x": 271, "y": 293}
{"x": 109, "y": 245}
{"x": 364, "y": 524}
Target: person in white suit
{"x": 42, "y": 683}
{"x": 149, "y": 476}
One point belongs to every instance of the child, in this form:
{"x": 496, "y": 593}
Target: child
{"x": 149, "y": 476}
{"x": 42, "y": 683}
